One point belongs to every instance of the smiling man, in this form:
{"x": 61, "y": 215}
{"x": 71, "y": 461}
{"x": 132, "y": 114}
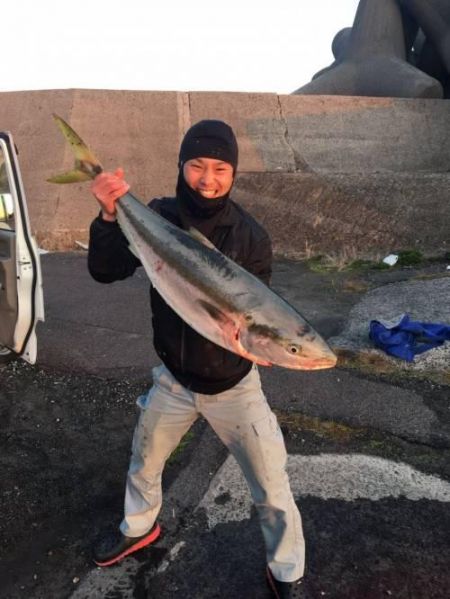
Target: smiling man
{"x": 196, "y": 376}
{"x": 211, "y": 178}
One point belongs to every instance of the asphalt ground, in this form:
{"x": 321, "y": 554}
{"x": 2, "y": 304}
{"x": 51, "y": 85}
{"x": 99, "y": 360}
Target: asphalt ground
{"x": 66, "y": 430}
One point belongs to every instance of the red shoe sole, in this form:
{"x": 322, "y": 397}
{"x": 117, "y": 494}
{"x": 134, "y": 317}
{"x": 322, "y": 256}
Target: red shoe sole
{"x": 140, "y": 545}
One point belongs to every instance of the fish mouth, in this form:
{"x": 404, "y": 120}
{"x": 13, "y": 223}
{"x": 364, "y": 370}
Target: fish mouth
{"x": 318, "y": 363}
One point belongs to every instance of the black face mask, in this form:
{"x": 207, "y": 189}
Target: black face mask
{"x": 196, "y": 211}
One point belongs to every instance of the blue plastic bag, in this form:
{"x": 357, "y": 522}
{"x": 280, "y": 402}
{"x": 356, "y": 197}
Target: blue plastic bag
{"x": 408, "y": 338}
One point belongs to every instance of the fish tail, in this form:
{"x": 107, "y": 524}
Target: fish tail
{"x": 86, "y": 166}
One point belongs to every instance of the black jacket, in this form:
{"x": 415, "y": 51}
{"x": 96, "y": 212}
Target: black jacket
{"x": 197, "y": 363}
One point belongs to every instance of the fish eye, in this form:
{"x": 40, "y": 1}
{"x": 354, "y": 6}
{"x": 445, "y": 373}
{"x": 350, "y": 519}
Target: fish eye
{"x": 248, "y": 317}
{"x": 294, "y": 349}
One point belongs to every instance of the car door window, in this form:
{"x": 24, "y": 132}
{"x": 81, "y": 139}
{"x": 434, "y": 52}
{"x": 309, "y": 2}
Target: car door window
{"x": 6, "y": 200}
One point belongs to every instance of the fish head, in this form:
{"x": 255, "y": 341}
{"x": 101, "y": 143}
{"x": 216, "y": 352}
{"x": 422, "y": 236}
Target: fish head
{"x": 285, "y": 340}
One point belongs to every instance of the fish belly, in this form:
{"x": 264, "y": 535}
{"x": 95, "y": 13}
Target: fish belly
{"x": 184, "y": 297}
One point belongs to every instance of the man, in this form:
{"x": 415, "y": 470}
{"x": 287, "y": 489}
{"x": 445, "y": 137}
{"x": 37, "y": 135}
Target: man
{"x": 196, "y": 376}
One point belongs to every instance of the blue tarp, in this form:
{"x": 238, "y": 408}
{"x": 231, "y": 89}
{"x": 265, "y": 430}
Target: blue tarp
{"x": 407, "y": 338}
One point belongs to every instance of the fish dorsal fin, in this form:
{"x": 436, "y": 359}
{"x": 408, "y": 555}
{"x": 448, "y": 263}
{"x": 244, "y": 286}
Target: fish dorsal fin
{"x": 195, "y": 234}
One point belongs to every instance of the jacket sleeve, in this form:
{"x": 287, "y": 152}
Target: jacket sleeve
{"x": 259, "y": 260}
{"x": 109, "y": 257}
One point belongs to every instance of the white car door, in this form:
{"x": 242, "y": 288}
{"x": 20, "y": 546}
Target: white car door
{"x": 21, "y": 297}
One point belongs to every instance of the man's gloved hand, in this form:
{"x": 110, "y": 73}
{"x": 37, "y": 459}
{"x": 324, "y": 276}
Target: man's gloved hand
{"x": 107, "y": 189}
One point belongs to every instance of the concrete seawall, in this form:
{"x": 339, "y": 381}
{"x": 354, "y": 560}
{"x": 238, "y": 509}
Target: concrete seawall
{"x": 324, "y": 174}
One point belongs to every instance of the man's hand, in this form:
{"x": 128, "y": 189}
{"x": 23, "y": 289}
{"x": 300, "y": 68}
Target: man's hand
{"x": 107, "y": 189}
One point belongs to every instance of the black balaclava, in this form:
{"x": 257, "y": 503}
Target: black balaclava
{"x": 205, "y": 139}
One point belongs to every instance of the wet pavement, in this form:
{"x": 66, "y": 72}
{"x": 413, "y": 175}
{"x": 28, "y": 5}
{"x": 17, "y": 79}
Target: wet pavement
{"x": 65, "y": 438}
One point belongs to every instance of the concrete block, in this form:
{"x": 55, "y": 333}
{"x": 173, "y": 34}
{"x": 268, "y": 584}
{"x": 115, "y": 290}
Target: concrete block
{"x": 322, "y": 173}
{"x": 136, "y": 130}
{"x": 258, "y": 124}
{"x": 356, "y": 134}
{"x": 352, "y": 215}
{"x": 28, "y": 116}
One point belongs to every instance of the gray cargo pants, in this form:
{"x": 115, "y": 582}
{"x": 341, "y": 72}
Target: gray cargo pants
{"x": 241, "y": 417}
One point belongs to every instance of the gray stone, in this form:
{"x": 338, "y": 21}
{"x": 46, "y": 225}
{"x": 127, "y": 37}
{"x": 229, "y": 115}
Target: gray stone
{"x": 425, "y": 301}
{"x": 374, "y": 62}
{"x": 338, "y": 47}
{"x": 433, "y": 16}
{"x": 432, "y": 44}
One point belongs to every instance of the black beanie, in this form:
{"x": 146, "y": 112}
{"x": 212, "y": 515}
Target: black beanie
{"x": 210, "y": 139}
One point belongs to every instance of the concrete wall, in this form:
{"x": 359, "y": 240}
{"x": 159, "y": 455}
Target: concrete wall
{"x": 322, "y": 173}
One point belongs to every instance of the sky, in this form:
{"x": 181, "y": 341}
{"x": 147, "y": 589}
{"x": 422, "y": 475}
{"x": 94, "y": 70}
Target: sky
{"x": 174, "y": 45}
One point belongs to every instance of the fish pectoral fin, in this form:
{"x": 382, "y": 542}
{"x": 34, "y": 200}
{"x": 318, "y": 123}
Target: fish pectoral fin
{"x": 232, "y": 332}
{"x": 240, "y": 349}
{"x": 195, "y": 234}
{"x": 216, "y": 313}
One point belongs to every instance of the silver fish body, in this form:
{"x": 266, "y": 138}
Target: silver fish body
{"x": 218, "y": 298}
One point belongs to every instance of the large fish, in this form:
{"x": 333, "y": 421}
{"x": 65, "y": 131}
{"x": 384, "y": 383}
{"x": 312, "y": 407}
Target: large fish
{"x": 214, "y": 295}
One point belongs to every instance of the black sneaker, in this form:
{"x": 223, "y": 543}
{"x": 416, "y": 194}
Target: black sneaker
{"x": 114, "y": 548}
{"x": 286, "y": 590}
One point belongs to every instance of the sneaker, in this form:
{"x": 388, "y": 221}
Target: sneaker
{"x": 114, "y": 548}
{"x": 286, "y": 590}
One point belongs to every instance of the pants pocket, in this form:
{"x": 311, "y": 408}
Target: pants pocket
{"x": 267, "y": 427}
{"x": 266, "y": 448}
